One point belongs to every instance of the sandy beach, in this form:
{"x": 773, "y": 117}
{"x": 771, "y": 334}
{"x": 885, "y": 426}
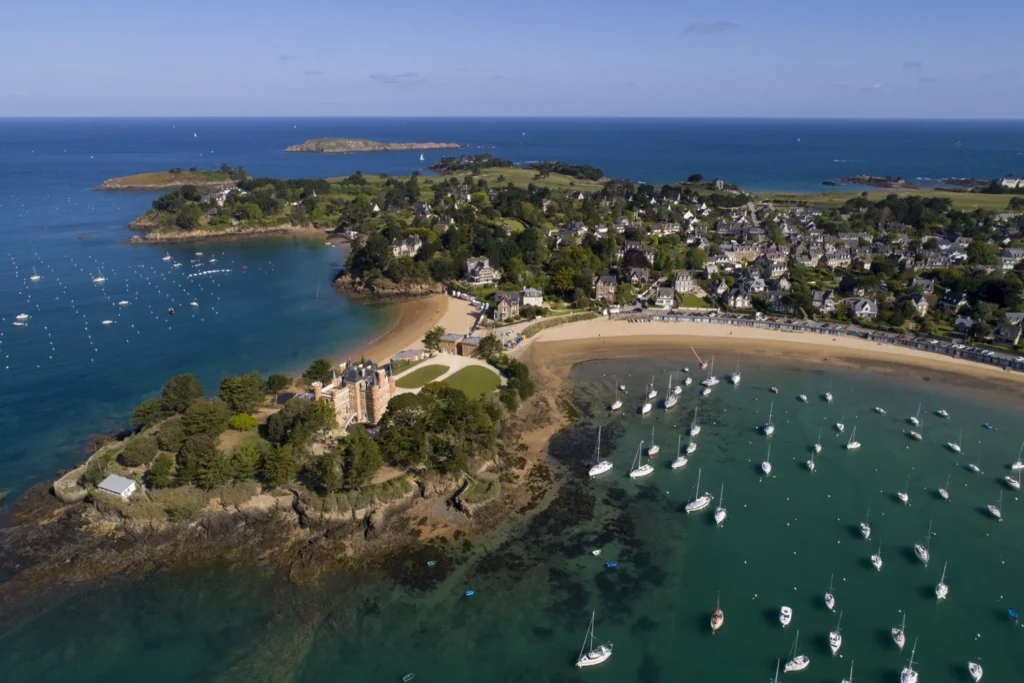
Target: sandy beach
{"x": 415, "y": 317}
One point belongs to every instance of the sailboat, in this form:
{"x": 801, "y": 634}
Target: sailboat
{"x": 923, "y": 552}
{"x": 35, "y": 277}
{"x": 735, "y": 377}
{"x": 785, "y": 615}
{"x": 655, "y": 448}
{"x": 817, "y": 444}
{"x": 810, "y": 463}
{"x": 711, "y": 380}
{"x": 908, "y": 675}
{"x": 976, "y": 467}
{"x": 769, "y": 428}
{"x": 941, "y": 589}
{"x": 955, "y": 447}
{"x": 694, "y": 427}
{"x": 876, "y": 559}
{"x": 652, "y": 393}
{"x": 828, "y": 396}
{"x": 796, "y": 661}
{"x": 617, "y": 403}
{"x": 835, "y": 638}
{"x": 903, "y": 495}
{"x": 600, "y": 466}
{"x": 880, "y": 410}
{"x": 944, "y": 491}
{"x": 853, "y": 444}
{"x": 718, "y": 617}
{"x": 720, "y": 511}
{"x": 646, "y": 408}
{"x": 639, "y": 470}
{"x": 421, "y": 158}
{"x": 997, "y": 509}
{"x": 942, "y": 412}
{"x": 99, "y": 279}
{"x": 830, "y": 600}
{"x": 1019, "y": 465}
{"x": 841, "y": 426}
{"x": 700, "y": 501}
{"x": 899, "y": 633}
{"x": 593, "y": 656}
{"x": 777, "y": 662}
{"x": 1011, "y": 482}
{"x": 918, "y": 436}
{"x": 681, "y": 459}
{"x": 766, "y": 466}
{"x": 865, "y": 526}
{"x": 974, "y": 669}
{"x": 850, "y": 679}
{"x": 166, "y": 256}
{"x": 670, "y": 398}
{"x": 691, "y": 447}
{"x": 915, "y": 419}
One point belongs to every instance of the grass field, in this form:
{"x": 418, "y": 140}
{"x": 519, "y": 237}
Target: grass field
{"x": 474, "y": 381}
{"x": 168, "y": 179}
{"x": 513, "y": 225}
{"x": 693, "y": 301}
{"x": 418, "y": 378}
{"x": 961, "y": 200}
{"x": 521, "y": 177}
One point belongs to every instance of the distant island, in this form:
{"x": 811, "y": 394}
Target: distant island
{"x": 352, "y": 146}
{"x": 887, "y": 182}
{"x": 225, "y": 176}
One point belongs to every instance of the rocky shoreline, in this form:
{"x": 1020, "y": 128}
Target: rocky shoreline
{"x": 885, "y": 182}
{"x": 382, "y": 288}
{"x": 153, "y": 235}
{"x": 352, "y": 146}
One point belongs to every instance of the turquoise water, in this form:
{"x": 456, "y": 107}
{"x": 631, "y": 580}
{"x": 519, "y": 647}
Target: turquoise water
{"x": 536, "y": 586}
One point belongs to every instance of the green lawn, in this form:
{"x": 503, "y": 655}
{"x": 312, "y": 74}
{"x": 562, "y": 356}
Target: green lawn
{"x": 474, "y": 381}
{"x": 418, "y": 378}
{"x": 521, "y": 177}
{"x": 513, "y": 225}
{"x": 961, "y": 200}
{"x": 693, "y": 301}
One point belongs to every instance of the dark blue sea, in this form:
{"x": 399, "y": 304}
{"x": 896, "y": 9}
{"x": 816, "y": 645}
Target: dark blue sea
{"x": 269, "y": 307}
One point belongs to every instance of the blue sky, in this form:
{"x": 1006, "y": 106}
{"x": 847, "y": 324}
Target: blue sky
{"x": 871, "y": 58}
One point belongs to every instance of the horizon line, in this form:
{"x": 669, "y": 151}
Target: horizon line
{"x": 499, "y": 117}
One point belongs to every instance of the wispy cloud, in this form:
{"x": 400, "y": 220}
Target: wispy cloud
{"x": 924, "y": 80}
{"x": 312, "y": 72}
{"x": 707, "y": 27}
{"x": 913, "y": 64}
{"x": 497, "y": 77}
{"x": 629, "y": 84}
{"x": 870, "y": 88}
{"x": 405, "y": 78}
{"x": 286, "y": 58}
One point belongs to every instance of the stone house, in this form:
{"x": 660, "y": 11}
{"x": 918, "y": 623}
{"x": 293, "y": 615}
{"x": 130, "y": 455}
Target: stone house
{"x": 506, "y": 305}
{"x": 604, "y": 288}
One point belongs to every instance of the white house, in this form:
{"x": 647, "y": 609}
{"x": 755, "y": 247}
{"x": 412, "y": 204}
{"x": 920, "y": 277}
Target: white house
{"x": 666, "y": 297}
{"x": 119, "y": 486}
{"x": 862, "y": 308}
{"x": 532, "y": 297}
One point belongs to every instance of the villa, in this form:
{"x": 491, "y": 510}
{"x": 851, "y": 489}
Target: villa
{"x": 360, "y": 394}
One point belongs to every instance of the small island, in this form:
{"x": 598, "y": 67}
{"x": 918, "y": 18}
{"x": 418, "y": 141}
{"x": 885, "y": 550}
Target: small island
{"x": 354, "y": 146}
{"x": 225, "y": 176}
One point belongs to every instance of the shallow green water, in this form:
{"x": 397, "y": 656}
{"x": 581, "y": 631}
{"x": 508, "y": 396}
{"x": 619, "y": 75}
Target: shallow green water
{"x": 784, "y": 537}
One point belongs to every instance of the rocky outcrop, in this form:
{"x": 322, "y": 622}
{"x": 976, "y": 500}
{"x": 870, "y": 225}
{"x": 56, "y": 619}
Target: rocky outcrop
{"x": 353, "y": 146}
{"x": 155, "y": 235}
{"x": 888, "y": 182}
{"x": 384, "y": 289}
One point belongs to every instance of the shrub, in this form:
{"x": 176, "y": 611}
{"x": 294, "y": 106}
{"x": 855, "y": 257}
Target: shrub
{"x": 182, "y": 512}
{"x": 161, "y": 474}
{"x": 277, "y": 383}
{"x": 171, "y": 436}
{"x": 140, "y": 450}
{"x": 244, "y": 423}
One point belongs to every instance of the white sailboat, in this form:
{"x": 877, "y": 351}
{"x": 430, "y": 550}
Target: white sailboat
{"x": 421, "y": 157}
{"x": 923, "y": 552}
{"x": 700, "y": 501}
{"x": 166, "y": 256}
{"x": 802, "y": 398}
{"x": 720, "y": 511}
{"x": 904, "y": 495}
{"x": 670, "y": 398}
{"x": 955, "y": 447}
{"x": 941, "y": 589}
{"x": 594, "y": 655}
{"x": 35, "y": 277}
{"x": 637, "y": 469}
{"x": 915, "y": 419}
{"x": 997, "y": 509}
{"x": 876, "y": 559}
{"x": 810, "y": 463}
{"x": 785, "y": 615}
{"x": 899, "y": 633}
{"x": 735, "y": 377}
{"x": 865, "y": 526}
{"x": 830, "y": 599}
{"x": 688, "y": 381}
{"x": 600, "y": 466}
{"x": 691, "y": 448}
{"x": 99, "y": 279}
{"x": 616, "y": 404}
{"x": 766, "y": 466}
{"x": 841, "y": 426}
{"x": 975, "y": 466}
{"x": 908, "y": 675}
{"x": 769, "y": 427}
{"x": 828, "y": 396}
{"x": 817, "y": 444}
{"x": 915, "y": 435}
{"x": 850, "y": 679}
{"x": 22, "y": 316}
{"x": 942, "y": 412}
{"x": 975, "y": 670}
{"x": 853, "y": 444}
{"x": 681, "y": 459}
{"x": 655, "y": 448}
{"x": 880, "y": 410}
{"x": 1011, "y": 482}
{"x": 797, "y": 662}
{"x": 718, "y": 618}
{"x": 706, "y": 391}
{"x": 652, "y": 393}
{"x": 1019, "y": 465}
{"x": 646, "y": 408}
{"x": 694, "y": 427}
{"x": 835, "y": 638}
{"x": 711, "y": 380}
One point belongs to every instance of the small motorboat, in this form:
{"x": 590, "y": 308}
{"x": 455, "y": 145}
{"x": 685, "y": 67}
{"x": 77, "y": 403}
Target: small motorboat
{"x": 880, "y": 410}
{"x": 611, "y": 564}
{"x": 775, "y": 390}
{"x": 707, "y": 391}
{"x": 595, "y": 553}
{"x": 691, "y": 448}
{"x": 803, "y": 398}
{"x": 122, "y": 302}
{"x": 785, "y": 615}
{"x": 828, "y": 396}
{"x": 194, "y": 304}
{"x": 989, "y": 425}
{"x": 942, "y": 412}
{"x": 18, "y": 323}
{"x": 470, "y": 593}
{"x": 974, "y": 669}
{"x": 107, "y": 322}
{"x": 1012, "y": 483}
{"x": 170, "y": 311}
{"x": 1014, "y": 615}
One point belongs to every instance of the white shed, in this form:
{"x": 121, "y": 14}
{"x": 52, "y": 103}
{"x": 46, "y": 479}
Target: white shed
{"x": 116, "y": 485}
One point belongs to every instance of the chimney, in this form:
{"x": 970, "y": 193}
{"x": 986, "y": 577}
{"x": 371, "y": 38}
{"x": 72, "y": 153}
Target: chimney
{"x": 317, "y": 387}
